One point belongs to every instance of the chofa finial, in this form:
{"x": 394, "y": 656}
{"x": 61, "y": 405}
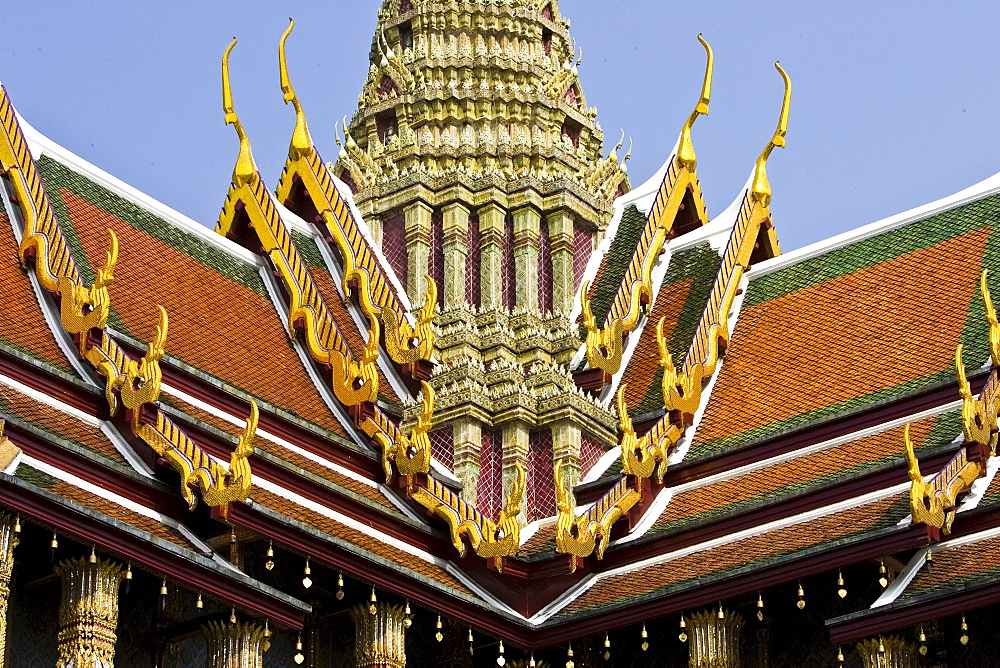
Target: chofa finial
{"x": 245, "y": 170}
{"x": 301, "y": 141}
{"x": 685, "y": 151}
{"x": 761, "y": 187}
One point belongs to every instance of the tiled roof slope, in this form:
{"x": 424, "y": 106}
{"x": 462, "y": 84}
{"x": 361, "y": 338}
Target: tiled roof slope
{"x": 681, "y": 300}
{"x": 741, "y": 556}
{"x": 957, "y": 566}
{"x": 855, "y": 325}
{"x": 22, "y": 325}
{"x": 221, "y": 319}
{"x": 832, "y": 466}
{"x": 61, "y": 427}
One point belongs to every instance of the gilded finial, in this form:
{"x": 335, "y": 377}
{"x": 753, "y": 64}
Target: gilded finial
{"x": 301, "y": 141}
{"x": 685, "y": 151}
{"x": 761, "y": 187}
{"x": 912, "y": 463}
{"x": 991, "y": 317}
{"x": 245, "y": 171}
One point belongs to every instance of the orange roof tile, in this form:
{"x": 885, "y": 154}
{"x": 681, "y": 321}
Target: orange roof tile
{"x": 216, "y": 324}
{"x": 62, "y": 424}
{"x": 733, "y": 555}
{"x": 845, "y": 338}
{"x": 21, "y": 321}
{"x": 957, "y": 565}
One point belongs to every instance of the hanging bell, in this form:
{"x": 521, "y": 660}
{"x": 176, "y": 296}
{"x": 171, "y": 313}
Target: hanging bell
{"x": 340, "y": 586}
{"x": 128, "y": 571}
{"x": 802, "y": 598}
{"x": 683, "y": 636}
{"x": 569, "y": 657}
{"x": 721, "y": 614}
{"x": 299, "y": 656}
{"x": 883, "y": 578}
{"x": 199, "y": 603}
{"x": 438, "y": 635}
{"x": 841, "y": 591}
{"x": 232, "y": 536}
{"x": 372, "y": 600}
{"x": 269, "y": 564}
{"x": 964, "y": 638}
{"x": 923, "y": 642}
{"x": 840, "y": 656}
{"x": 306, "y": 572}
{"x": 760, "y": 607}
{"x": 408, "y": 618}
{"x": 531, "y": 661}
{"x": 17, "y": 524}
{"x": 501, "y": 659}
{"x": 163, "y": 588}
{"x": 55, "y": 541}
{"x": 93, "y": 556}
{"x": 645, "y": 638}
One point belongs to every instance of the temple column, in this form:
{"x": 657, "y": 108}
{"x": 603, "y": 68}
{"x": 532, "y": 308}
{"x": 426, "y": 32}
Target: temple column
{"x": 418, "y": 249}
{"x": 561, "y": 239}
{"x": 888, "y": 652}
{"x": 88, "y": 613}
{"x": 8, "y": 541}
{"x": 468, "y": 440}
{"x": 713, "y": 641}
{"x": 516, "y": 444}
{"x": 491, "y": 231}
{"x": 526, "y": 223}
{"x": 455, "y": 248}
{"x": 566, "y": 449}
{"x": 380, "y": 638}
{"x": 235, "y": 644}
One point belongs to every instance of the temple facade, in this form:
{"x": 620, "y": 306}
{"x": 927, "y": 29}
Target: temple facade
{"x": 462, "y": 395}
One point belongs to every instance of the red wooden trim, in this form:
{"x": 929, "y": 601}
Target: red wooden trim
{"x": 85, "y": 529}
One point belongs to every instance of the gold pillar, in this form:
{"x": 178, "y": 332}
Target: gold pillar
{"x": 8, "y": 541}
{"x": 468, "y": 438}
{"x": 88, "y": 612}
{"x": 714, "y": 642}
{"x": 380, "y": 637}
{"x": 455, "y": 246}
{"x": 235, "y": 644}
{"x": 491, "y": 231}
{"x": 561, "y": 241}
{"x": 526, "y": 232}
{"x": 417, "y": 218}
{"x": 887, "y": 652}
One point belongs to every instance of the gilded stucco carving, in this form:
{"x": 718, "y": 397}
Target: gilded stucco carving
{"x": 129, "y": 383}
{"x": 605, "y": 341}
{"x": 935, "y": 501}
{"x": 88, "y": 612}
{"x": 407, "y": 340}
{"x": 682, "y": 389}
{"x": 490, "y": 539}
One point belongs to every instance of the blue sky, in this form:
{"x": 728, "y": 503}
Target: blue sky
{"x": 894, "y": 104}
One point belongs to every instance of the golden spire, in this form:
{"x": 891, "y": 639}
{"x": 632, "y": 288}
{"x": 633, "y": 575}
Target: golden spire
{"x": 301, "y": 142}
{"x": 761, "y": 187}
{"x": 685, "y": 151}
{"x": 245, "y": 171}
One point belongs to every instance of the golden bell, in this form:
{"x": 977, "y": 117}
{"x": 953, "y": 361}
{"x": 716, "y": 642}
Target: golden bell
{"x": 607, "y": 640}
{"x": 128, "y": 572}
{"x": 55, "y": 542}
{"x": 531, "y": 662}
{"x": 199, "y": 603}
{"x": 17, "y": 524}
{"x": 93, "y": 556}
{"x": 163, "y": 588}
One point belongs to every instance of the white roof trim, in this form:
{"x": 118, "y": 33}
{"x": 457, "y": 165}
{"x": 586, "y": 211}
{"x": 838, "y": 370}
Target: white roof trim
{"x": 41, "y": 145}
{"x": 985, "y": 188}
{"x": 50, "y": 401}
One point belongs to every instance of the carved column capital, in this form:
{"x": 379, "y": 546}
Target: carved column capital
{"x": 887, "y": 652}
{"x": 235, "y": 644}
{"x": 88, "y": 612}
{"x": 715, "y": 641}
{"x": 380, "y": 638}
